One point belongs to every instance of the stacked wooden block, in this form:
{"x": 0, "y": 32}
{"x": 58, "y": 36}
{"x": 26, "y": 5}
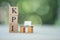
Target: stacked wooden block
{"x": 13, "y": 19}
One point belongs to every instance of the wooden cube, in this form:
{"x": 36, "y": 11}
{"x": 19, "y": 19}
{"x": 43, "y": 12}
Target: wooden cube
{"x": 13, "y": 19}
{"x": 13, "y": 10}
{"x": 13, "y": 27}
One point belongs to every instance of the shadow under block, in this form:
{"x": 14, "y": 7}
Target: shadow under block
{"x": 22, "y": 29}
{"x": 13, "y": 19}
{"x": 30, "y": 29}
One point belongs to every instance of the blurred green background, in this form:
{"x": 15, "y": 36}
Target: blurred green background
{"x": 42, "y": 12}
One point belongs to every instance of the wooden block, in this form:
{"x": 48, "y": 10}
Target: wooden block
{"x": 30, "y": 29}
{"x": 13, "y": 10}
{"x": 13, "y": 27}
{"x": 13, "y": 19}
{"x": 22, "y": 29}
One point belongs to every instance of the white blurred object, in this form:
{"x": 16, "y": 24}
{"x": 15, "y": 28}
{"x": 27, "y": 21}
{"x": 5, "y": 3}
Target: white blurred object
{"x": 27, "y": 23}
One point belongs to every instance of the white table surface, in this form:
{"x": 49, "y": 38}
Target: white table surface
{"x": 40, "y": 33}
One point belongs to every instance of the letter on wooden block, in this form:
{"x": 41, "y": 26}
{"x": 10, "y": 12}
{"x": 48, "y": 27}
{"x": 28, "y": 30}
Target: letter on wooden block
{"x": 13, "y": 27}
{"x": 13, "y": 19}
{"x": 13, "y": 10}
